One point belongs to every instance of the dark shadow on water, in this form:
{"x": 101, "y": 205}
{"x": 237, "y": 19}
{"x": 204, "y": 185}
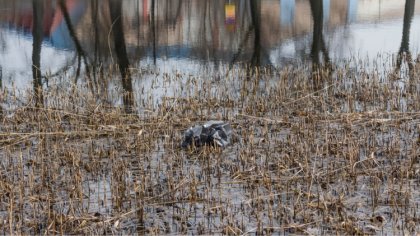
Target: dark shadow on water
{"x": 319, "y": 52}
{"x": 153, "y": 32}
{"x": 404, "y": 52}
{"x": 81, "y": 54}
{"x": 115, "y": 7}
{"x": 256, "y": 22}
{"x": 37, "y": 33}
{"x": 260, "y": 57}
{"x": 1, "y": 88}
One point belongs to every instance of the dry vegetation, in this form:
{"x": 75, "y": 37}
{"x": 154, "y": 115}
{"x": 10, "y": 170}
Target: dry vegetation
{"x": 311, "y": 156}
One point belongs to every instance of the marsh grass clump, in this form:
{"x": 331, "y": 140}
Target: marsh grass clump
{"x": 339, "y": 156}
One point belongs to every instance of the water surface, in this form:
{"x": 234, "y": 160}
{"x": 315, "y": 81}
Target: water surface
{"x": 71, "y": 38}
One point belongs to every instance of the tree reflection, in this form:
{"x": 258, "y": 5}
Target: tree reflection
{"x": 318, "y": 49}
{"x": 250, "y": 25}
{"x": 256, "y": 22}
{"x": 80, "y": 52}
{"x": 260, "y": 57}
{"x": 153, "y": 27}
{"x": 115, "y": 7}
{"x": 1, "y": 88}
{"x": 37, "y": 35}
{"x": 95, "y": 23}
{"x": 404, "y": 52}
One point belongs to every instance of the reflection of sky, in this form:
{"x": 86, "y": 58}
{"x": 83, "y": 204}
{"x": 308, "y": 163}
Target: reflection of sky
{"x": 326, "y": 9}
{"x": 56, "y": 52}
{"x": 361, "y": 41}
{"x": 287, "y": 12}
{"x": 351, "y": 10}
{"x": 16, "y": 59}
{"x": 373, "y": 39}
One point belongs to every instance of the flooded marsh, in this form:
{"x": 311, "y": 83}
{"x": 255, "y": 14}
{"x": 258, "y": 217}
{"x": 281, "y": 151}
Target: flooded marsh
{"x": 336, "y": 156}
{"x": 325, "y": 122}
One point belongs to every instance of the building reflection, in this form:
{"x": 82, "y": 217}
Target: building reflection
{"x": 219, "y": 30}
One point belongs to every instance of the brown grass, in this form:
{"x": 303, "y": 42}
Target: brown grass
{"x": 333, "y": 156}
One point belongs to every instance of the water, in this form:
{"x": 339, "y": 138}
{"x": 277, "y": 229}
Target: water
{"x": 37, "y": 40}
{"x": 304, "y": 155}
{"x": 54, "y": 42}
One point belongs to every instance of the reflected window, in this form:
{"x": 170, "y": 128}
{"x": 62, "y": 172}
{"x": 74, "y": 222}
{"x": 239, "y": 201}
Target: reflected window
{"x": 230, "y": 16}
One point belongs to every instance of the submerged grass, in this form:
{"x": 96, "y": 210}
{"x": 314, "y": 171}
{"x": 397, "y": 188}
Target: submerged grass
{"x": 332, "y": 152}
